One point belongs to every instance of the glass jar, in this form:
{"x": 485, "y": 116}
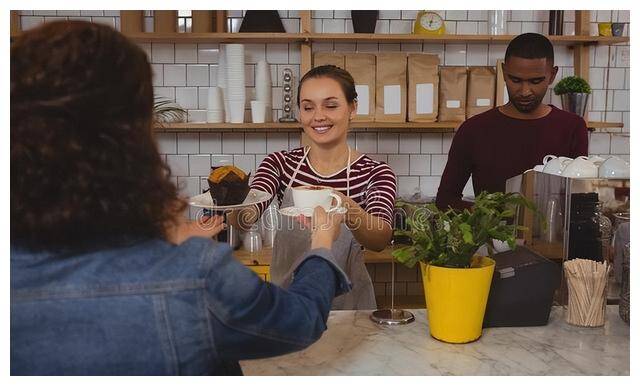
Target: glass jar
{"x": 252, "y": 241}
{"x": 497, "y": 22}
{"x": 606, "y": 232}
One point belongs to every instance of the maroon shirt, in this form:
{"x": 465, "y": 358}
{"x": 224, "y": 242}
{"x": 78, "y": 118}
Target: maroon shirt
{"x": 492, "y": 147}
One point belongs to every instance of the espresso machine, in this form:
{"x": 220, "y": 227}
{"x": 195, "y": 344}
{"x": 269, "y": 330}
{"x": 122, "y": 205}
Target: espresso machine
{"x": 576, "y": 216}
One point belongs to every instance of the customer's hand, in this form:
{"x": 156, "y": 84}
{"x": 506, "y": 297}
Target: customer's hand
{"x": 207, "y": 227}
{"x": 325, "y": 228}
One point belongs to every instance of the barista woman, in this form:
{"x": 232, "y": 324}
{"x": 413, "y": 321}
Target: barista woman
{"x": 327, "y": 102}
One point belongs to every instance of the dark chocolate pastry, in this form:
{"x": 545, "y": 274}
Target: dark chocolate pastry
{"x": 228, "y": 185}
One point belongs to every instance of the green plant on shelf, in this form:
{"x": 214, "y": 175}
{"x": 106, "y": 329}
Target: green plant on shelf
{"x": 450, "y": 238}
{"x": 572, "y": 84}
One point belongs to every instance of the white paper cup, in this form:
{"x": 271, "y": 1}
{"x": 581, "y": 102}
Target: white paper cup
{"x": 236, "y": 111}
{"x": 215, "y": 99}
{"x": 258, "y": 111}
{"x": 215, "y": 116}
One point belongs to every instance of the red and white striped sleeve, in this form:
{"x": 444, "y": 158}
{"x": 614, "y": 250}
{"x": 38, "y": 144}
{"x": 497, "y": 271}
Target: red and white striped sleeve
{"x": 381, "y": 193}
{"x": 267, "y": 179}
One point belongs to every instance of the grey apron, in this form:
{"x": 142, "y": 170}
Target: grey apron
{"x": 292, "y": 241}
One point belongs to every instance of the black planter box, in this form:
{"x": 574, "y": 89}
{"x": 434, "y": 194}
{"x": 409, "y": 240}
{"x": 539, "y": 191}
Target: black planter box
{"x": 521, "y": 290}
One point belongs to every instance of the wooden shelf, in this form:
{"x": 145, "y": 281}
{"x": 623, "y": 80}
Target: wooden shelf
{"x": 498, "y": 39}
{"x": 269, "y": 37}
{"x": 203, "y": 126}
{"x": 215, "y": 37}
{"x": 356, "y": 125}
{"x": 272, "y": 37}
{"x": 601, "y": 125}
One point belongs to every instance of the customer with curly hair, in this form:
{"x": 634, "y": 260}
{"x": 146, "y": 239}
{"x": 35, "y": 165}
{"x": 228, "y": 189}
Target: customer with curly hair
{"x": 106, "y": 275}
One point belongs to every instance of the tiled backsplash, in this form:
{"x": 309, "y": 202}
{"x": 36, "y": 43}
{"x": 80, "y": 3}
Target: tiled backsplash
{"x": 183, "y": 72}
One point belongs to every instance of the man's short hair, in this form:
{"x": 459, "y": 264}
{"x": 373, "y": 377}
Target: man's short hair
{"x": 530, "y": 46}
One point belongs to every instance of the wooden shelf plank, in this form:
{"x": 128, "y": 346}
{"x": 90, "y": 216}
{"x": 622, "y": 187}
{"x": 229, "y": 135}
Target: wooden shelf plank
{"x": 356, "y": 125}
{"x": 502, "y": 39}
{"x": 216, "y": 37}
{"x": 204, "y": 125}
{"x": 599, "y": 125}
{"x": 272, "y": 37}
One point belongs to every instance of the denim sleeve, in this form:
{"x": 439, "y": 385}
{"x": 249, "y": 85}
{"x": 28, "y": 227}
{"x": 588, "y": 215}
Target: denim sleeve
{"x": 251, "y": 318}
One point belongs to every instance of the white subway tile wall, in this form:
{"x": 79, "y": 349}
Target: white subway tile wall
{"x": 183, "y": 72}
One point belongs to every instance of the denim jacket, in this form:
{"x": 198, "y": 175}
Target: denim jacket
{"x": 157, "y": 308}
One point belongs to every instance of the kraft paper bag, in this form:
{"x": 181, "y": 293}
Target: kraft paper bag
{"x": 322, "y": 58}
{"x": 362, "y": 68}
{"x": 453, "y": 94}
{"x": 391, "y": 87}
{"x": 423, "y": 87}
{"x": 481, "y": 84}
{"x": 502, "y": 96}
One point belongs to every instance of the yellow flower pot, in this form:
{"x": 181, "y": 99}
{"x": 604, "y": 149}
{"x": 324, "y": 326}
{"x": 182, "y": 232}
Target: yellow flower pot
{"x": 456, "y": 299}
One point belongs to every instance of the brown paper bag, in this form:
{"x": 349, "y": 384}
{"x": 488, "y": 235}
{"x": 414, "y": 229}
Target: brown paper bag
{"x": 453, "y": 94}
{"x": 322, "y": 58}
{"x": 423, "y": 87}
{"x": 502, "y": 96}
{"x": 481, "y": 84}
{"x": 362, "y": 68}
{"x": 391, "y": 87}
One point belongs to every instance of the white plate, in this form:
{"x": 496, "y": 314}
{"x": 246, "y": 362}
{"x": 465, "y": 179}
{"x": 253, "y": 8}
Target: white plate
{"x": 292, "y": 211}
{"x": 204, "y": 200}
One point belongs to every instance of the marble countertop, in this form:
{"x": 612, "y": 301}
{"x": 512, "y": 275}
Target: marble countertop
{"x": 353, "y": 345}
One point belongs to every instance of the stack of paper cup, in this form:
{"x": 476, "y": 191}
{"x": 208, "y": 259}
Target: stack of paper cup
{"x": 236, "y": 94}
{"x": 263, "y": 86}
{"x": 215, "y": 105}
{"x": 222, "y": 81}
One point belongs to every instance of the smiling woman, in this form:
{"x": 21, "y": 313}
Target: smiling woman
{"x": 327, "y": 99}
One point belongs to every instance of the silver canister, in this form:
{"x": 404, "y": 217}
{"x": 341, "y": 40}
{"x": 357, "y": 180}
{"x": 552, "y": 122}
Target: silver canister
{"x": 575, "y": 102}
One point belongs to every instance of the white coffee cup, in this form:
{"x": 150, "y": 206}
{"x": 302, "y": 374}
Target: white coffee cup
{"x": 538, "y": 168}
{"x": 306, "y": 198}
{"x": 580, "y": 167}
{"x": 258, "y": 111}
{"x": 553, "y": 164}
{"x": 614, "y": 167}
{"x": 596, "y": 159}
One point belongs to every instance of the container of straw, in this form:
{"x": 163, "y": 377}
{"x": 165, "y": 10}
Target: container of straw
{"x": 587, "y": 292}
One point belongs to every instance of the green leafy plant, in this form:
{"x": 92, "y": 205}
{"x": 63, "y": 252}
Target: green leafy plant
{"x": 572, "y": 84}
{"x": 450, "y": 238}
{"x": 165, "y": 110}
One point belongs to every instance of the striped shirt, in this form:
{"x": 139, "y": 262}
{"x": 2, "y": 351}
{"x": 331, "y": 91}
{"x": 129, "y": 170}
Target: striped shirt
{"x": 372, "y": 184}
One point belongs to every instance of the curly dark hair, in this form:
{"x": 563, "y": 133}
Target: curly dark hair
{"x": 85, "y": 168}
{"x": 343, "y": 77}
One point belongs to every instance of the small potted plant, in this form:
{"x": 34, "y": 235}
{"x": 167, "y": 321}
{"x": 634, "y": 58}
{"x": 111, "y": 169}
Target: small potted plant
{"x": 457, "y": 281}
{"x": 574, "y": 94}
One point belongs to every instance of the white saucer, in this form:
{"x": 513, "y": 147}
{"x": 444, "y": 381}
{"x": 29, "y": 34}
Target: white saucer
{"x": 204, "y": 200}
{"x": 292, "y": 211}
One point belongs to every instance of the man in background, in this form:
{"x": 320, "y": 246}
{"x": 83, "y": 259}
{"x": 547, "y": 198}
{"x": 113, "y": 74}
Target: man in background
{"x": 507, "y": 140}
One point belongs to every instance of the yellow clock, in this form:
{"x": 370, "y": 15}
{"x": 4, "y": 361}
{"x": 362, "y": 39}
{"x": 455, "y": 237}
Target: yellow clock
{"x": 428, "y": 22}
